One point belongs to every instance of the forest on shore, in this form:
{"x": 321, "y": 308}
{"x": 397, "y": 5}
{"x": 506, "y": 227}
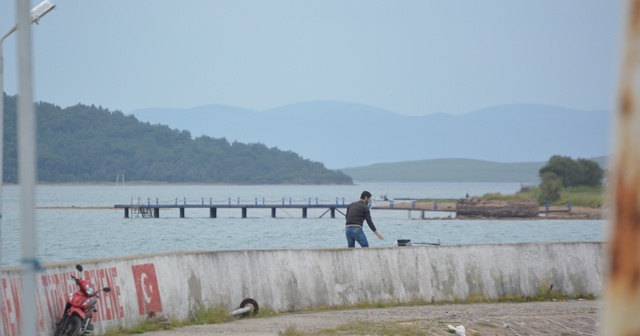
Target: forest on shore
{"x": 89, "y": 144}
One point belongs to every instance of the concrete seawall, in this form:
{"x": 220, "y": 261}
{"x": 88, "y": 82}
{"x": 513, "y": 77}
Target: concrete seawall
{"x": 288, "y": 280}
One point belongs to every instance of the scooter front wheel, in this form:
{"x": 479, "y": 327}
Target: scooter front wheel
{"x": 69, "y": 327}
{"x": 60, "y": 326}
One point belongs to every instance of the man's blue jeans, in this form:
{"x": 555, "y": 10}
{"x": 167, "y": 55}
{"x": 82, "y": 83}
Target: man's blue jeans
{"x": 356, "y": 234}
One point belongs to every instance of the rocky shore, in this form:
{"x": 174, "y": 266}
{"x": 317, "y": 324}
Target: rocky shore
{"x": 554, "y": 212}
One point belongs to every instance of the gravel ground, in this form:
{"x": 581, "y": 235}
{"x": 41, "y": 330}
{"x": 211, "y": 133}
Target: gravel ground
{"x": 532, "y": 318}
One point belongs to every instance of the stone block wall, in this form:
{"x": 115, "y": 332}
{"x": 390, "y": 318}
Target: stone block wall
{"x": 475, "y": 207}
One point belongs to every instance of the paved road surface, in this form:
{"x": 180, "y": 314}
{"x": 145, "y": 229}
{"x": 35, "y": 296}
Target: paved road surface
{"x": 532, "y": 318}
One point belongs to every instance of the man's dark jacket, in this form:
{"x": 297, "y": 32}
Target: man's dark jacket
{"x": 357, "y": 213}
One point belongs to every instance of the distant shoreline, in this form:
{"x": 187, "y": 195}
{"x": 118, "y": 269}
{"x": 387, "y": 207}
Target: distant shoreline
{"x": 555, "y": 212}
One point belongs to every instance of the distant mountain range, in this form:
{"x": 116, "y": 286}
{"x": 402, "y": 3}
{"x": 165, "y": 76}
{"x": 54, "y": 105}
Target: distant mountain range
{"x": 342, "y": 135}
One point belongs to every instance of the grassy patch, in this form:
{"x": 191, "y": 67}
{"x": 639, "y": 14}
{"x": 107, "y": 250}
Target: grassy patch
{"x": 439, "y": 200}
{"x": 210, "y": 315}
{"x": 583, "y": 196}
{"x": 404, "y": 328}
{"x": 292, "y": 330}
{"x": 374, "y": 304}
{"x": 487, "y": 325}
{"x": 266, "y": 312}
{"x": 500, "y": 197}
{"x": 394, "y": 328}
{"x": 577, "y": 196}
{"x": 200, "y": 315}
{"x": 219, "y": 314}
{"x": 543, "y": 295}
{"x": 142, "y": 327}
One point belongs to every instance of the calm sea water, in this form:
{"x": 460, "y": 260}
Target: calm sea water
{"x": 78, "y": 234}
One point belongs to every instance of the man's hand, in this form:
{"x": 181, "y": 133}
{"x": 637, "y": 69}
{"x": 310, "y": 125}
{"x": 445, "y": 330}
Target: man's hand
{"x": 379, "y": 236}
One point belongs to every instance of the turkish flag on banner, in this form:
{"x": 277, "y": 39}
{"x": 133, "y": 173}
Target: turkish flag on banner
{"x": 147, "y": 288}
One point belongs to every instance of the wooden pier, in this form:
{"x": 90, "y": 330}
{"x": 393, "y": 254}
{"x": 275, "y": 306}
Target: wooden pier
{"x": 153, "y": 210}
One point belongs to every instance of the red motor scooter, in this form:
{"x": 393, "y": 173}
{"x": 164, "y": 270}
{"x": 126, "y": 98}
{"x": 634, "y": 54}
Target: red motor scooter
{"x": 76, "y": 319}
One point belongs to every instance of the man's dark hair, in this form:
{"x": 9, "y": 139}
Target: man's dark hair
{"x": 365, "y": 194}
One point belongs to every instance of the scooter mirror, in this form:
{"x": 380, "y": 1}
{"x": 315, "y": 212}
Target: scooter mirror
{"x": 79, "y": 268}
{"x": 106, "y": 289}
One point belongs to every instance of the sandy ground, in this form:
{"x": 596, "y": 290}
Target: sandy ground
{"x": 532, "y": 318}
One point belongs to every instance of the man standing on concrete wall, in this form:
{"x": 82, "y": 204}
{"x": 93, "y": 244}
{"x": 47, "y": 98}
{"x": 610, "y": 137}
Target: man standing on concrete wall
{"x": 357, "y": 213}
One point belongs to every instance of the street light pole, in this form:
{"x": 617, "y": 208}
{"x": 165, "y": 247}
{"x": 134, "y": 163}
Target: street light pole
{"x": 2, "y": 142}
{"x": 36, "y": 14}
{"x": 1, "y": 171}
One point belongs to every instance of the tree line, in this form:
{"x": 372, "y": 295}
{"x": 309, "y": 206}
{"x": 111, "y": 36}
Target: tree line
{"x": 564, "y": 172}
{"x": 92, "y": 144}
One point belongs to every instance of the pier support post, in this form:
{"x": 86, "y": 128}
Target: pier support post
{"x": 126, "y": 212}
{"x": 213, "y": 212}
{"x": 156, "y": 212}
{"x": 181, "y": 212}
{"x": 333, "y": 212}
{"x": 304, "y": 212}
{"x": 244, "y": 212}
{"x": 273, "y": 212}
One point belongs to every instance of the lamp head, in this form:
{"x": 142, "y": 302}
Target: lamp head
{"x": 41, "y": 10}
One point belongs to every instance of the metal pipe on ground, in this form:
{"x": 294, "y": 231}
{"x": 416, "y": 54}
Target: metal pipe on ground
{"x": 247, "y": 306}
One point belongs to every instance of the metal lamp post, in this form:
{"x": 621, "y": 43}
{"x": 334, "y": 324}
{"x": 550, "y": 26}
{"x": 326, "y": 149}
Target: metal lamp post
{"x": 36, "y": 13}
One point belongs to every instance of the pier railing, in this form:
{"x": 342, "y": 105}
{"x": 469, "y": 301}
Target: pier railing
{"x": 150, "y": 206}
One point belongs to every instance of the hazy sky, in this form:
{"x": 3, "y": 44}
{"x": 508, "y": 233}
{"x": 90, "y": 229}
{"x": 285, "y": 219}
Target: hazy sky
{"x": 410, "y": 57}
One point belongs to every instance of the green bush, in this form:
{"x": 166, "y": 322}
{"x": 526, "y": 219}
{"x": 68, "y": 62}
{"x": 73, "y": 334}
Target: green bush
{"x": 550, "y": 188}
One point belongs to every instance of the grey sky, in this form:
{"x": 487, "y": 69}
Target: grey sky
{"x": 410, "y": 57}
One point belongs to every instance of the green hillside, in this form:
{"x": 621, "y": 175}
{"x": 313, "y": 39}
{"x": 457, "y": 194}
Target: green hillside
{"x": 453, "y": 170}
{"x": 447, "y": 170}
{"x": 92, "y": 144}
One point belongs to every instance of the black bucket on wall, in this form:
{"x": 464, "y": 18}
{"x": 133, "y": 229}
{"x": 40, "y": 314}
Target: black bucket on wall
{"x": 404, "y": 242}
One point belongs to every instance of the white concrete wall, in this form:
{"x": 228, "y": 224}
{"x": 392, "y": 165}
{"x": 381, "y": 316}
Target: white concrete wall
{"x": 298, "y": 279}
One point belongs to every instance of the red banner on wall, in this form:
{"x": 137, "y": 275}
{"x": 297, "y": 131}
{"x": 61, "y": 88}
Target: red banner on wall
{"x": 147, "y": 288}
{"x": 12, "y": 307}
{"x": 56, "y": 288}
{"x": 109, "y": 306}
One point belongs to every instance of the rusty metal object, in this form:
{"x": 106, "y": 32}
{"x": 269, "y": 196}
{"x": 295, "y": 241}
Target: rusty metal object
{"x": 622, "y": 289}
{"x": 247, "y": 306}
